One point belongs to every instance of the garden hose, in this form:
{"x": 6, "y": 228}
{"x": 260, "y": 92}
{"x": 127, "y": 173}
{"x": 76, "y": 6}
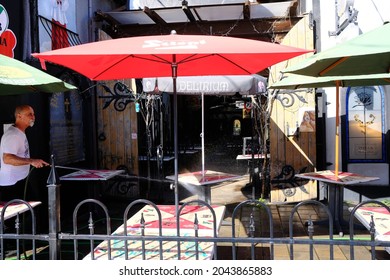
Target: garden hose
{"x": 26, "y": 183}
{"x": 23, "y": 219}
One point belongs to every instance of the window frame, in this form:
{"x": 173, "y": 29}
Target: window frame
{"x": 347, "y": 127}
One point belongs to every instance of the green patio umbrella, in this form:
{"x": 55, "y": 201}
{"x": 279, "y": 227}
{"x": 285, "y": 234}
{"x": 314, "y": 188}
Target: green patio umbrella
{"x": 293, "y": 81}
{"x": 368, "y": 53}
{"x": 301, "y": 81}
{"x": 365, "y": 54}
{"x": 17, "y": 77}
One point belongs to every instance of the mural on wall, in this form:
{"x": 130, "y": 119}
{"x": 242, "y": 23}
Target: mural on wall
{"x": 308, "y": 120}
{"x": 59, "y": 37}
{"x": 62, "y": 14}
{"x": 366, "y": 135}
{"x": 7, "y": 37}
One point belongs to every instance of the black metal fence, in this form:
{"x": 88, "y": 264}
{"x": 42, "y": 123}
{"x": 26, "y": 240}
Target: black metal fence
{"x": 22, "y": 239}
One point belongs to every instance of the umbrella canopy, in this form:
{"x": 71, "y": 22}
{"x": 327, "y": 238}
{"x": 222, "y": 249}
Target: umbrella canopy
{"x": 368, "y": 53}
{"x": 207, "y": 85}
{"x": 301, "y": 81}
{"x": 17, "y": 77}
{"x": 155, "y": 56}
{"x": 170, "y": 55}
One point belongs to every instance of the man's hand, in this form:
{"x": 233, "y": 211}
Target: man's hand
{"x": 16, "y": 161}
{"x": 38, "y": 163}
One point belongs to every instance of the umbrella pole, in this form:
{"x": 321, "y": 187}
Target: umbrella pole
{"x": 337, "y": 139}
{"x": 175, "y": 136}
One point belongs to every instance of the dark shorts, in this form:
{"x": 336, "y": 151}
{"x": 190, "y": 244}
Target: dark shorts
{"x": 18, "y": 190}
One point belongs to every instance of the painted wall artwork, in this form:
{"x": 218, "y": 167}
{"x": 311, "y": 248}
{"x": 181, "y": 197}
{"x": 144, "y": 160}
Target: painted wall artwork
{"x": 308, "y": 120}
{"x": 62, "y": 13}
{"x": 10, "y": 26}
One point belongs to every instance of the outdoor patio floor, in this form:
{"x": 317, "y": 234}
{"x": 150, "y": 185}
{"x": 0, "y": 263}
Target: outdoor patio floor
{"x": 231, "y": 194}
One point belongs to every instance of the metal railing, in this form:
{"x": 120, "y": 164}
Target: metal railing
{"x": 20, "y": 235}
{"x": 56, "y": 241}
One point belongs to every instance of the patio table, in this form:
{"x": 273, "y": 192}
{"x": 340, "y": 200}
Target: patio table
{"x": 91, "y": 175}
{"x": 92, "y": 179}
{"x": 16, "y": 208}
{"x": 336, "y": 191}
{"x": 381, "y": 218}
{"x": 195, "y": 181}
{"x": 169, "y": 228}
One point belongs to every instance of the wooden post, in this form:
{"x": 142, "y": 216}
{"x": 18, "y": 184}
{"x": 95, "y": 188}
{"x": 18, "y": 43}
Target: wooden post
{"x": 337, "y": 139}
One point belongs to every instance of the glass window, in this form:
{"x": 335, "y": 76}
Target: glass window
{"x": 365, "y": 124}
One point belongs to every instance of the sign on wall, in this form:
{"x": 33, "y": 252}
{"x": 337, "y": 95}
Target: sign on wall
{"x": 10, "y": 22}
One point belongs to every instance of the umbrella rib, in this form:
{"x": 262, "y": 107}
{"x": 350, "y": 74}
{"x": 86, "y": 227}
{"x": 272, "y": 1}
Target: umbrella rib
{"x": 33, "y": 88}
{"x": 191, "y": 58}
{"x": 159, "y": 59}
{"x": 232, "y": 62}
{"x": 333, "y": 65}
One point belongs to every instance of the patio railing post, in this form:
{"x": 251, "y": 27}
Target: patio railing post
{"x": 54, "y": 212}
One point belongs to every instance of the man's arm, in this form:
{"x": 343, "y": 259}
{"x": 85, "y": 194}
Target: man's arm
{"x": 12, "y": 159}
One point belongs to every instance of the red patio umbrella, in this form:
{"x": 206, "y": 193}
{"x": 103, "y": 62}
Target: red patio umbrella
{"x": 170, "y": 55}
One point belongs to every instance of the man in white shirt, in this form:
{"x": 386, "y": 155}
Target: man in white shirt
{"x": 15, "y": 155}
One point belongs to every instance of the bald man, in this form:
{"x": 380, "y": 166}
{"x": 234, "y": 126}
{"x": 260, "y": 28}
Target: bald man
{"x": 15, "y": 155}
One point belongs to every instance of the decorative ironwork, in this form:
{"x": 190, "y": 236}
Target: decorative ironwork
{"x": 287, "y": 182}
{"x": 287, "y": 98}
{"x": 294, "y": 240}
{"x": 121, "y": 96}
